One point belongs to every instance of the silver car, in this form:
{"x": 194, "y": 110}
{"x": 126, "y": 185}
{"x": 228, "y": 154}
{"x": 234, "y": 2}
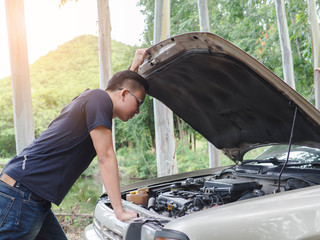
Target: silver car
{"x": 262, "y": 124}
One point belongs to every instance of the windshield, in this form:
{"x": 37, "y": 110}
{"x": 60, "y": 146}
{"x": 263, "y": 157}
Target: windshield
{"x": 277, "y": 154}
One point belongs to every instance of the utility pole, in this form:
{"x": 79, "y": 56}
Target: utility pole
{"x": 105, "y": 64}
{"x": 315, "y": 38}
{"x": 285, "y": 44}
{"x": 214, "y": 160}
{"x": 163, "y": 116}
{"x": 104, "y": 43}
{"x": 20, "y": 76}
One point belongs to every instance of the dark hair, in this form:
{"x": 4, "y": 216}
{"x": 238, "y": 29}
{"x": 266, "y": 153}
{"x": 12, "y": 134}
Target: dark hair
{"x": 128, "y": 79}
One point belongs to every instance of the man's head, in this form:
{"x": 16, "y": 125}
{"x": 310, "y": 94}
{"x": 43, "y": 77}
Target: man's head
{"x": 127, "y": 78}
{"x": 128, "y": 91}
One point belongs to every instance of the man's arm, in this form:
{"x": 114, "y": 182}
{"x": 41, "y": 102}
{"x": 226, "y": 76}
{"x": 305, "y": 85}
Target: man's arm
{"x": 102, "y": 141}
{"x": 138, "y": 59}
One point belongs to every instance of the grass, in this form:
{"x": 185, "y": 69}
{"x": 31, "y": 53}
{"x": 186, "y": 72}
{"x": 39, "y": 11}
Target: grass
{"x": 3, "y": 161}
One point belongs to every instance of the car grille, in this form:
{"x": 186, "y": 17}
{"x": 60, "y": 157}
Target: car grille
{"x": 104, "y": 232}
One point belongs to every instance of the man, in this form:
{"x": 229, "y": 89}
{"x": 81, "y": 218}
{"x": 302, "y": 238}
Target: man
{"x": 45, "y": 170}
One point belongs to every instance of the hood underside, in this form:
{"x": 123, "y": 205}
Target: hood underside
{"x": 234, "y": 101}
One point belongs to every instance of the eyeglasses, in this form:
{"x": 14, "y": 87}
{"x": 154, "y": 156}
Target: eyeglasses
{"x": 139, "y": 101}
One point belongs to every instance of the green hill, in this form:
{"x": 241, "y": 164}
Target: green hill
{"x": 56, "y": 79}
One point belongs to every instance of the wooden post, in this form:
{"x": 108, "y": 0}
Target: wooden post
{"x": 315, "y": 38}
{"x": 163, "y": 116}
{"x": 104, "y": 43}
{"x": 285, "y": 44}
{"x": 105, "y": 65}
{"x": 214, "y": 160}
{"x": 20, "y": 76}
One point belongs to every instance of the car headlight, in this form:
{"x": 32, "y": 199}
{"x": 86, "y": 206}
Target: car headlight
{"x": 148, "y": 232}
{"x": 143, "y": 230}
{"x": 168, "y": 234}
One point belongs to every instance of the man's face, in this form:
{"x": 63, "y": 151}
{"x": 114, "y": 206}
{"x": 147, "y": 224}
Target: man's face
{"x": 132, "y": 101}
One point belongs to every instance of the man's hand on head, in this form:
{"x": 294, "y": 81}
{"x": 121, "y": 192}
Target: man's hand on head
{"x": 139, "y": 57}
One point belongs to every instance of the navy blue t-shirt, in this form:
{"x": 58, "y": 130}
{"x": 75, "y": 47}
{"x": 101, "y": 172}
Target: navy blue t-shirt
{"x": 53, "y": 162}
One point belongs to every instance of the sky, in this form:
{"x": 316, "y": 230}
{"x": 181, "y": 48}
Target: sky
{"x": 48, "y": 26}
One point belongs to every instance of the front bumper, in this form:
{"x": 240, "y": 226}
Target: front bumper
{"x": 90, "y": 234}
{"x": 106, "y": 226}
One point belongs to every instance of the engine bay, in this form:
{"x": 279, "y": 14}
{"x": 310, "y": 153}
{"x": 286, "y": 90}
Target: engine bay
{"x": 193, "y": 195}
{"x": 190, "y": 195}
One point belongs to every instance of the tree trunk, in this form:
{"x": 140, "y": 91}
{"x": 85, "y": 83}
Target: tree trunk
{"x": 285, "y": 44}
{"x": 179, "y": 128}
{"x": 104, "y": 43}
{"x": 105, "y": 65}
{"x": 214, "y": 159}
{"x": 163, "y": 116}
{"x": 20, "y": 76}
{"x": 315, "y": 38}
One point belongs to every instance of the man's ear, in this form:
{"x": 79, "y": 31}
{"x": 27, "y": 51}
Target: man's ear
{"x": 123, "y": 92}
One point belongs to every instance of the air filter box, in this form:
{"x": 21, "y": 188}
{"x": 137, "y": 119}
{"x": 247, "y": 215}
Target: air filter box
{"x": 229, "y": 186}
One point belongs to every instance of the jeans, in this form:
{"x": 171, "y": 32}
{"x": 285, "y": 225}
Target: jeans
{"x": 26, "y": 217}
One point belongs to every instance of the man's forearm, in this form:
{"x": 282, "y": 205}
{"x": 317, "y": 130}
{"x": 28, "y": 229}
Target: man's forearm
{"x": 110, "y": 178}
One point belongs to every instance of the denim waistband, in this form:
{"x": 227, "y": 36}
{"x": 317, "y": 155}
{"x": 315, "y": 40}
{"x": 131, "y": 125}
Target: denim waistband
{"x": 29, "y": 195}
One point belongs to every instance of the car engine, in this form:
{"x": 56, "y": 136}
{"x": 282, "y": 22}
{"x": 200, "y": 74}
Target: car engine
{"x": 193, "y": 195}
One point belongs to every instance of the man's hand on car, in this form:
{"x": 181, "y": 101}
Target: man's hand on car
{"x": 125, "y": 215}
{"x": 138, "y": 59}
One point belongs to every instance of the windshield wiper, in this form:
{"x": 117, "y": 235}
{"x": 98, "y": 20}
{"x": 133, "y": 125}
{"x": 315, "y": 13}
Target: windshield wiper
{"x": 276, "y": 161}
{"x": 273, "y": 160}
{"x": 302, "y": 164}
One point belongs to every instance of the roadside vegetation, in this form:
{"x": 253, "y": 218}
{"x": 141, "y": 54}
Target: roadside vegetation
{"x": 66, "y": 72}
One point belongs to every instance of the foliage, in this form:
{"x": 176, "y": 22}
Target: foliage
{"x": 7, "y": 139}
{"x": 137, "y": 165}
{"x": 189, "y": 159}
{"x": 250, "y": 25}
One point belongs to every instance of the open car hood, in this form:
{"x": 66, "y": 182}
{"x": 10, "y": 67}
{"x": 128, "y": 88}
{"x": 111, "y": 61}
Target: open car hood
{"x": 234, "y": 101}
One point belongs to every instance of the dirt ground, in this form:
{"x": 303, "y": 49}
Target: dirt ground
{"x": 75, "y": 235}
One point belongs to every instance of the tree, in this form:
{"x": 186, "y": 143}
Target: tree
{"x": 315, "y": 38}
{"x": 104, "y": 42}
{"x": 252, "y": 26}
{"x": 205, "y": 26}
{"x": 285, "y": 44}
{"x": 163, "y": 116}
{"x": 22, "y": 102}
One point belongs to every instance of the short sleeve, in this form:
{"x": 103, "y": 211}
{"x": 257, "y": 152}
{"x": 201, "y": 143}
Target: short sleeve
{"x": 98, "y": 109}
